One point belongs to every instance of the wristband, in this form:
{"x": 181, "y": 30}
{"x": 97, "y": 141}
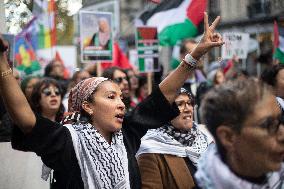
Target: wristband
{"x": 190, "y": 60}
{"x": 6, "y": 73}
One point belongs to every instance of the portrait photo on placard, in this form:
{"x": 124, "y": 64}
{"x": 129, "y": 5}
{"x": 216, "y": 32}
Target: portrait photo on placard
{"x": 96, "y": 36}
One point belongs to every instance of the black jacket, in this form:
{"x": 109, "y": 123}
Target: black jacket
{"x": 54, "y": 144}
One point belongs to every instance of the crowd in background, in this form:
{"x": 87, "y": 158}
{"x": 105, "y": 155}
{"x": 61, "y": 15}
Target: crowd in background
{"x": 227, "y": 99}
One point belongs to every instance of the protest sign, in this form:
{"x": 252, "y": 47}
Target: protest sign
{"x": 235, "y": 44}
{"x": 95, "y": 36}
{"x": 107, "y": 6}
{"x": 147, "y": 45}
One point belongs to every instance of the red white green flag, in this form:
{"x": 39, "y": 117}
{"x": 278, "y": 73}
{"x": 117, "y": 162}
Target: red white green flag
{"x": 175, "y": 19}
{"x": 278, "y": 42}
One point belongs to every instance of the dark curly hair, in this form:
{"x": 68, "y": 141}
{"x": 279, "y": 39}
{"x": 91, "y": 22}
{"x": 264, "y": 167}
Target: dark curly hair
{"x": 36, "y": 96}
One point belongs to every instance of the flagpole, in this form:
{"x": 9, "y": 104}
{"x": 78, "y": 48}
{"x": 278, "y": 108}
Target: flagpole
{"x": 149, "y": 82}
{"x": 52, "y": 32}
{"x": 99, "y": 69}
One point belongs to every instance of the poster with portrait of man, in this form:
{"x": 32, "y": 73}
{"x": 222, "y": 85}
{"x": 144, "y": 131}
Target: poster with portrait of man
{"x": 95, "y": 36}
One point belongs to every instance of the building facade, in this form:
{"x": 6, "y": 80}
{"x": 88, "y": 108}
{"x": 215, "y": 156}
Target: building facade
{"x": 255, "y": 17}
{"x": 128, "y": 11}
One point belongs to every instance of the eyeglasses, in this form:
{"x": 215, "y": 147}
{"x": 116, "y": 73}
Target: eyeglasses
{"x": 272, "y": 125}
{"x": 119, "y": 80}
{"x": 182, "y": 104}
{"x": 48, "y": 92}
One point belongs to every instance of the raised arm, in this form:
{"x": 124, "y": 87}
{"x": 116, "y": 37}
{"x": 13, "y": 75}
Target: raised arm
{"x": 13, "y": 97}
{"x": 176, "y": 79}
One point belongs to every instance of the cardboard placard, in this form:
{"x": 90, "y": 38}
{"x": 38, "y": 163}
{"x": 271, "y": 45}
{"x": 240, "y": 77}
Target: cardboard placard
{"x": 147, "y": 45}
{"x": 96, "y": 36}
{"x": 235, "y": 44}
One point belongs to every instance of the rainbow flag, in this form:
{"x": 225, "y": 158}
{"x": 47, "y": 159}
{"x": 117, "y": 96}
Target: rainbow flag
{"x": 24, "y": 50}
{"x": 39, "y": 33}
{"x": 46, "y": 26}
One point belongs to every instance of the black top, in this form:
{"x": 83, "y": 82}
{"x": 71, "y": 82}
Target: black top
{"x": 6, "y": 125}
{"x": 54, "y": 144}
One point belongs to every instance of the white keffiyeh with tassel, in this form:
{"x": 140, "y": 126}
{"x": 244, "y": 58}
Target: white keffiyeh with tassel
{"x": 168, "y": 140}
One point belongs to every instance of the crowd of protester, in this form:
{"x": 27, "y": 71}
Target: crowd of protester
{"x": 196, "y": 129}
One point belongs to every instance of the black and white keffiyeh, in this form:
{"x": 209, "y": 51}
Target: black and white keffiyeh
{"x": 280, "y": 102}
{"x": 185, "y": 138}
{"x": 102, "y": 165}
{"x": 168, "y": 140}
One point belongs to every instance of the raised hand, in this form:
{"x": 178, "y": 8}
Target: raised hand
{"x": 209, "y": 40}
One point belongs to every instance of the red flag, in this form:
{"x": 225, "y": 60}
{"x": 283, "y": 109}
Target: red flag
{"x": 58, "y": 58}
{"x": 276, "y": 35}
{"x": 52, "y": 10}
{"x": 119, "y": 59}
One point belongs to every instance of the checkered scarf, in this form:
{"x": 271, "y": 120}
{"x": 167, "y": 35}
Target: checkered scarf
{"x": 102, "y": 165}
{"x": 168, "y": 140}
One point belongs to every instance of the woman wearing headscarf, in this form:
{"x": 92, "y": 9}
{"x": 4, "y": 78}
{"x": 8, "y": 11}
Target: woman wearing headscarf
{"x": 99, "y": 150}
{"x": 168, "y": 155}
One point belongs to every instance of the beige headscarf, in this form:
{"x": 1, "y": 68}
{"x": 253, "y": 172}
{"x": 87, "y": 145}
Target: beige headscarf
{"x": 82, "y": 92}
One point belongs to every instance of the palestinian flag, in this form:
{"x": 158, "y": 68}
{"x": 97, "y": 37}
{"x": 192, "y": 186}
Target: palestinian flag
{"x": 278, "y": 42}
{"x": 175, "y": 19}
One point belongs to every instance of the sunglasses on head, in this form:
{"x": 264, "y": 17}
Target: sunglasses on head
{"x": 48, "y": 91}
{"x": 119, "y": 79}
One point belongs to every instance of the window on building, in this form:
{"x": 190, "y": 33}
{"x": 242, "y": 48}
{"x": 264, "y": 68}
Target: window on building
{"x": 214, "y": 8}
{"x": 259, "y": 8}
